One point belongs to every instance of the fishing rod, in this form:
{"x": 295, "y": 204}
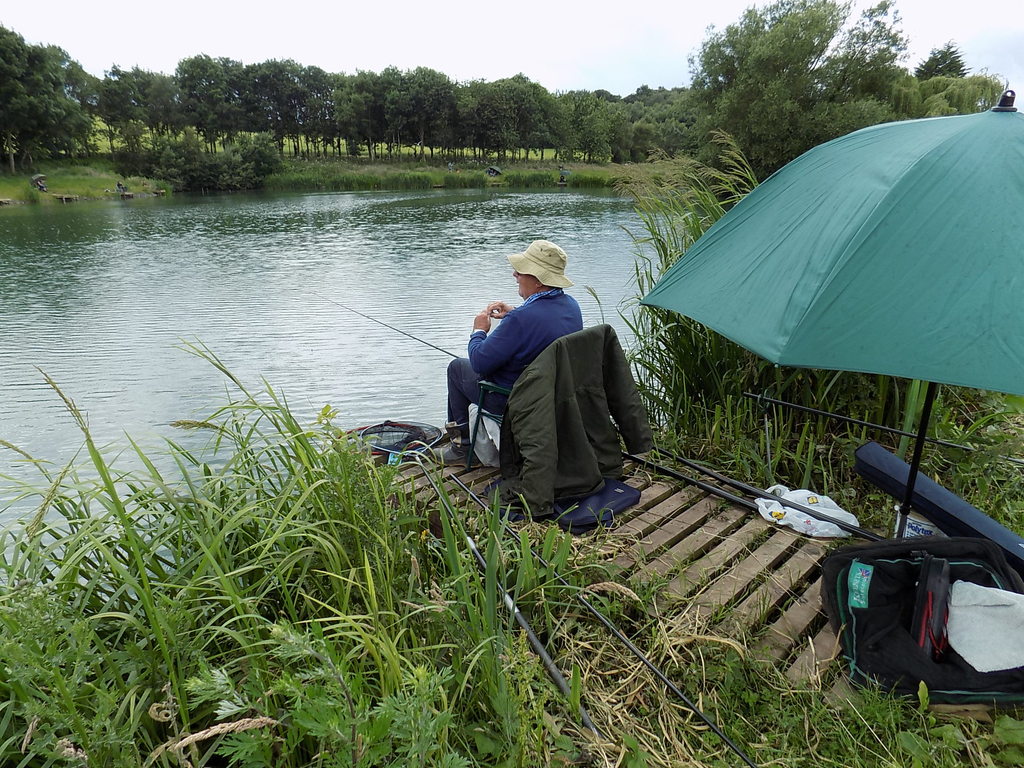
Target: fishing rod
{"x": 870, "y": 425}
{"x": 745, "y": 488}
{"x": 552, "y": 669}
{"x": 617, "y": 633}
{"x": 381, "y": 322}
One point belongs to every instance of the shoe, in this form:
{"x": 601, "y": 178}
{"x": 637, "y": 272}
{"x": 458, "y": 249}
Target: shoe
{"x": 450, "y": 453}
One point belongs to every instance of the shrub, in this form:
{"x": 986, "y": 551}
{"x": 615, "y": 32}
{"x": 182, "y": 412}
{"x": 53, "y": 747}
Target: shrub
{"x": 187, "y": 166}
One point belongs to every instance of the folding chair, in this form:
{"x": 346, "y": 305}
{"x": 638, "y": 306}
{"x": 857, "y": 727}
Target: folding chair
{"x": 486, "y": 388}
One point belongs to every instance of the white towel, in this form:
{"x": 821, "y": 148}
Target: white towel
{"x": 986, "y": 625}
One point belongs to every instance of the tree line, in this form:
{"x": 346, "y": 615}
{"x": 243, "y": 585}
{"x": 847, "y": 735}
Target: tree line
{"x": 780, "y": 80}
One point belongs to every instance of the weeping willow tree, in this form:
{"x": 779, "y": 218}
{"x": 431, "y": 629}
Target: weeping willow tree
{"x": 939, "y": 96}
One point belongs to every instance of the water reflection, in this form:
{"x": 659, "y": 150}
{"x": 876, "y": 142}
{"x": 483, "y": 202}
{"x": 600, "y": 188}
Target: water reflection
{"x": 100, "y": 296}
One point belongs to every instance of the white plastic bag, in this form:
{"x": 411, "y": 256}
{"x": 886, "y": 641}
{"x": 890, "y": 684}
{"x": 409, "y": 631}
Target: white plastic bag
{"x": 773, "y": 511}
{"x": 487, "y": 440}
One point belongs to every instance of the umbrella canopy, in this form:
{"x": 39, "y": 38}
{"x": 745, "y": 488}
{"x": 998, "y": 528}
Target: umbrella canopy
{"x": 897, "y": 249}
{"x": 38, "y": 176}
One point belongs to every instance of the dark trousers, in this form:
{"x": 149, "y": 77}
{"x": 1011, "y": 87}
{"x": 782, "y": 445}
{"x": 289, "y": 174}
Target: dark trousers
{"x": 463, "y": 389}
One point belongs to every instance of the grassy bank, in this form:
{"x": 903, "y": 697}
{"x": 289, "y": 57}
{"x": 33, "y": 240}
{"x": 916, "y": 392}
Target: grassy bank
{"x": 282, "y": 607}
{"x": 341, "y": 175}
{"x": 87, "y": 182}
{"x": 98, "y": 181}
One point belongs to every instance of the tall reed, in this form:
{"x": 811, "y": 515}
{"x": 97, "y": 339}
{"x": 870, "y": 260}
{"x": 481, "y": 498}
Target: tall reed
{"x": 270, "y": 600}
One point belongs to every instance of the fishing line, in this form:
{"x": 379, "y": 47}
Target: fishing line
{"x": 616, "y": 632}
{"x": 391, "y": 327}
{"x": 552, "y": 669}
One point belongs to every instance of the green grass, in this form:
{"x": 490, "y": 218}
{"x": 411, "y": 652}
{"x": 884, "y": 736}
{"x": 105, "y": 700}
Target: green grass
{"x": 279, "y": 602}
{"x": 97, "y": 180}
{"x": 85, "y": 181}
{"x": 346, "y": 175}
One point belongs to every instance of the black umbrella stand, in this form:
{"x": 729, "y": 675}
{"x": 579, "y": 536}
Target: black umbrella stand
{"x": 915, "y": 462}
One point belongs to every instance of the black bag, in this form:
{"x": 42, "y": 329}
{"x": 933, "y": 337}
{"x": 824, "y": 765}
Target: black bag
{"x": 887, "y": 601}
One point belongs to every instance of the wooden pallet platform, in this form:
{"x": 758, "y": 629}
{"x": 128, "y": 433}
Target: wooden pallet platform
{"x": 725, "y": 570}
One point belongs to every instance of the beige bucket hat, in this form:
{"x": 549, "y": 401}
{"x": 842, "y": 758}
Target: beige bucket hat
{"x": 545, "y": 261}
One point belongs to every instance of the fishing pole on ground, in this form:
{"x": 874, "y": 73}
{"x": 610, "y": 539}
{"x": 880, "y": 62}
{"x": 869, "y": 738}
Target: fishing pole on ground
{"x": 869, "y": 425}
{"x": 552, "y": 669}
{"x": 617, "y": 633}
{"x": 745, "y": 488}
{"x": 391, "y": 327}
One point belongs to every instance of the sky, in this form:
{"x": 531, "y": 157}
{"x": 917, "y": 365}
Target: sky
{"x": 561, "y": 45}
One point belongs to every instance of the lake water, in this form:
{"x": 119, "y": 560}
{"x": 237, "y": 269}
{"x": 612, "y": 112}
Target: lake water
{"x": 100, "y": 296}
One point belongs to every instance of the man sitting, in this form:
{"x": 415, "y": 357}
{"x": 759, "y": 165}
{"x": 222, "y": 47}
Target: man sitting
{"x": 547, "y": 313}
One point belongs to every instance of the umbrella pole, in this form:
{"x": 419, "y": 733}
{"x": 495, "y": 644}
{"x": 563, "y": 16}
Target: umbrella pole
{"x": 915, "y": 462}
{"x": 913, "y": 400}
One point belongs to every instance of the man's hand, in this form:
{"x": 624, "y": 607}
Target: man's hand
{"x": 498, "y": 309}
{"x": 493, "y": 311}
{"x": 482, "y": 322}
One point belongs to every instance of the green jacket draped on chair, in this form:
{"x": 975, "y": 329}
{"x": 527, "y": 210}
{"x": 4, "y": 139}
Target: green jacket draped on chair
{"x": 560, "y": 432}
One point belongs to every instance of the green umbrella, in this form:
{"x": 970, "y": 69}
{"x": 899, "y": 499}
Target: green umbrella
{"x": 897, "y": 249}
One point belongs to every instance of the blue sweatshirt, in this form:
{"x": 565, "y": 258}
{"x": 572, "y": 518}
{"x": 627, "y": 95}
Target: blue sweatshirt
{"x": 522, "y": 335}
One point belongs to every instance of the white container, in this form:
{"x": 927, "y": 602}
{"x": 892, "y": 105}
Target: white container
{"x": 917, "y": 526}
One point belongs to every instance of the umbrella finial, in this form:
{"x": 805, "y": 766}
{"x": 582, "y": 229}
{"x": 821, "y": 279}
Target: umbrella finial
{"x": 1006, "y": 102}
